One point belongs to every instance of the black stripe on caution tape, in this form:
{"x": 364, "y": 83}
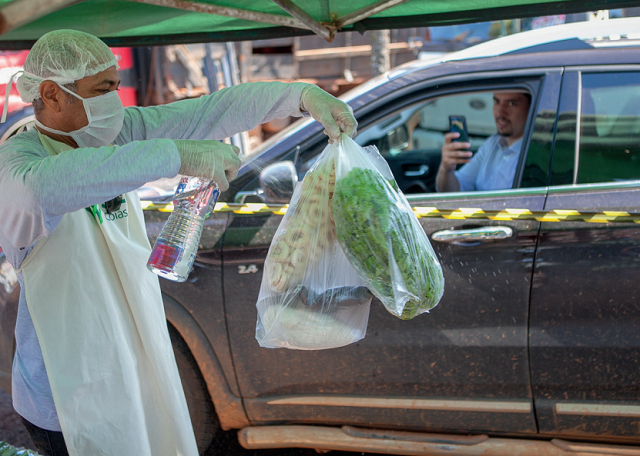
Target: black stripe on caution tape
{"x": 462, "y": 213}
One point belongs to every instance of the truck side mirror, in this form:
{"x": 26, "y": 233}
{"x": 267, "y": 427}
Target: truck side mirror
{"x": 277, "y": 182}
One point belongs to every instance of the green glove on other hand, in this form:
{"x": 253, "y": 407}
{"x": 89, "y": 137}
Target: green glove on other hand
{"x": 213, "y": 160}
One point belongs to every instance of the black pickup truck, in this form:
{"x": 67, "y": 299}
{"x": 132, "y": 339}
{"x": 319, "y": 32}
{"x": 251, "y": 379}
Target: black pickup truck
{"x": 535, "y": 345}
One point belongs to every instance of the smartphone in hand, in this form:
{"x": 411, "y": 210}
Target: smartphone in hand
{"x": 458, "y": 124}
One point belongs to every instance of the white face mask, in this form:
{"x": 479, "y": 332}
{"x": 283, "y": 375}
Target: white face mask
{"x": 105, "y": 114}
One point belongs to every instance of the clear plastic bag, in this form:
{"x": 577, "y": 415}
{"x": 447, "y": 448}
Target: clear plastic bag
{"x": 311, "y": 298}
{"x": 380, "y": 234}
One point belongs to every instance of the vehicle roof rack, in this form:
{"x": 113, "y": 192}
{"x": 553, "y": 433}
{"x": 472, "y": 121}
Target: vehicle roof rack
{"x": 614, "y": 32}
{"x": 572, "y": 44}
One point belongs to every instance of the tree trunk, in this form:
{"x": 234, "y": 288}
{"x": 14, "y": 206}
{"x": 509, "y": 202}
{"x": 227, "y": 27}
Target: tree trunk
{"x": 380, "y": 54}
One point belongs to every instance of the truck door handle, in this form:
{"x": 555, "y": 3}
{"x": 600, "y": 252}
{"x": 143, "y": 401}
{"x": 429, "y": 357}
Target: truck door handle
{"x": 475, "y": 235}
{"x": 421, "y": 171}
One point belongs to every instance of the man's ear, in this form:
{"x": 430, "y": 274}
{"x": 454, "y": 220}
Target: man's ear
{"x": 52, "y": 95}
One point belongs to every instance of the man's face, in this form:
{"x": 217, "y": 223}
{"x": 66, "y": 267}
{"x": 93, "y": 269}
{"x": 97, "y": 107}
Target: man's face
{"x": 510, "y": 114}
{"x": 89, "y": 87}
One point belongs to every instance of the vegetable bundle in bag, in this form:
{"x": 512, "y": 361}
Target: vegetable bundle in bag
{"x": 311, "y": 298}
{"x": 381, "y": 235}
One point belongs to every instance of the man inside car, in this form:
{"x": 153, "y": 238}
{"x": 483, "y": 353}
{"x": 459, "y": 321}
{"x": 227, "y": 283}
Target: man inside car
{"x": 493, "y": 166}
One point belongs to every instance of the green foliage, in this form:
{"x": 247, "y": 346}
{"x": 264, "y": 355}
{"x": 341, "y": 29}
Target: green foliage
{"x": 381, "y": 237}
{"x": 9, "y": 450}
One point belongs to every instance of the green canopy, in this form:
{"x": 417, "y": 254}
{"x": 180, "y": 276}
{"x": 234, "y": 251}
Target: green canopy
{"x": 160, "y": 22}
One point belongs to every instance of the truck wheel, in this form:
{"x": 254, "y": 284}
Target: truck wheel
{"x": 203, "y": 414}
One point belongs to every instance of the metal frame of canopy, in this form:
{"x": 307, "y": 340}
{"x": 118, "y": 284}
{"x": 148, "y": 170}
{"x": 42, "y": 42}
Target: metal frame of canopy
{"x": 296, "y": 21}
{"x": 20, "y": 12}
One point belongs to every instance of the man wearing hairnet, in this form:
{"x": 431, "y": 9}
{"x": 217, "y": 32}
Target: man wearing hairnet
{"x": 94, "y": 371}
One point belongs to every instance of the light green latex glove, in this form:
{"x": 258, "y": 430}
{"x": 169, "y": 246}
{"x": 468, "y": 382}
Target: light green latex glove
{"x": 213, "y": 160}
{"x": 335, "y": 116}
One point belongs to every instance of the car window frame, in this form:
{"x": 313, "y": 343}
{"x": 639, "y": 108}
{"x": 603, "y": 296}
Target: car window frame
{"x": 548, "y": 99}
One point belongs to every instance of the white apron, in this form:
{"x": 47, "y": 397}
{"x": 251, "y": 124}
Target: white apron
{"x": 98, "y": 314}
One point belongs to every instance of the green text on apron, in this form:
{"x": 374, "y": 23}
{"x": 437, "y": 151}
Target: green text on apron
{"x": 100, "y": 321}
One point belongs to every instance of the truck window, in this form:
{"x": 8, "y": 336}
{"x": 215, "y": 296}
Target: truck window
{"x": 609, "y": 147}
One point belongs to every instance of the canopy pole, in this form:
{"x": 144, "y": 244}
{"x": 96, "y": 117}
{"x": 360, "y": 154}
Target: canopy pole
{"x": 365, "y": 12}
{"x": 302, "y": 16}
{"x": 226, "y": 11}
{"x": 20, "y": 12}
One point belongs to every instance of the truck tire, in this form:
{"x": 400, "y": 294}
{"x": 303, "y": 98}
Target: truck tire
{"x": 203, "y": 414}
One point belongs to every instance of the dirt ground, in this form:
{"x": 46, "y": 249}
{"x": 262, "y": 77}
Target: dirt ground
{"x": 11, "y": 429}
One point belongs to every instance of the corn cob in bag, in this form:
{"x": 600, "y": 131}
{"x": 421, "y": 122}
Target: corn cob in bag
{"x": 380, "y": 234}
{"x": 311, "y": 298}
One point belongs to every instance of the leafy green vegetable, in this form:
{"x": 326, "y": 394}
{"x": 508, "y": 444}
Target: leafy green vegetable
{"x": 9, "y": 450}
{"x": 386, "y": 244}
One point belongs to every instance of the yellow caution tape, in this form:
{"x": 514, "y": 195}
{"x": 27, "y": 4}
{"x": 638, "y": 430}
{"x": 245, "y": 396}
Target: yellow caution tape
{"x": 462, "y": 213}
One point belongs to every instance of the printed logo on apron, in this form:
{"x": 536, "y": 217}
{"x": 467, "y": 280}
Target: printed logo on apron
{"x": 102, "y": 212}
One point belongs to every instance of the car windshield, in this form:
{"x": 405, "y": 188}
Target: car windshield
{"x": 275, "y": 139}
{"x": 346, "y": 97}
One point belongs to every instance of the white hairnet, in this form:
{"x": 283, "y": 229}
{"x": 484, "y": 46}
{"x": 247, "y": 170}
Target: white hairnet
{"x": 63, "y": 56}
